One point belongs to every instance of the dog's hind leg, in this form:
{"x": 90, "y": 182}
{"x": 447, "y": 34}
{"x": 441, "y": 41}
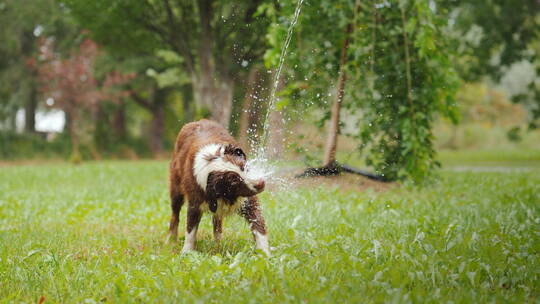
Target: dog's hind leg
{"x": 251, "y": 211}
{"x": 176, "y": 204}
{"x": 177, "y": 200}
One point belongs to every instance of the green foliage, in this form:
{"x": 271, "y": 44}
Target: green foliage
{"x": 161, "y": 43}
{"x": 488, "y": 120}
{"x": 313, "y": 55}
{"x": 471, "y": 238}
{"x": 113, "y": 24}
{"x": 500, "y": 30}
{"x": 22, "y": 22}
{"x": 33, "y": 146}
{"x": 25, "y": 146}
{"x": 514, "y": 134}
{"x": 400, "y": 75}
{"x": 218, "y": 41}
{"x": 172, "y": 75}
{"x": 492, "y": 36}
{"x": 410, "y": 80}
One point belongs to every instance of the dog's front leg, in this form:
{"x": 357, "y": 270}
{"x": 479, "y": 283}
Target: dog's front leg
{"x": 251, "y": 211}
{"x": 217, "y": 222}
{"x": 193, "y": 219}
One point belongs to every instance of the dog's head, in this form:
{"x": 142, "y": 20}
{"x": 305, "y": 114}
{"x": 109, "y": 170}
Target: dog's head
{"x": 221, "y": 171}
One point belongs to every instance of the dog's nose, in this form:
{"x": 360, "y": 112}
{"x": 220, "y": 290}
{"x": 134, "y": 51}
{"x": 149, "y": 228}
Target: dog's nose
{"x": 259, "y": 185}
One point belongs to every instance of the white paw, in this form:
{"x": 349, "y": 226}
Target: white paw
{"x": 187, "y": 249}
{"x": 189, "y": 242}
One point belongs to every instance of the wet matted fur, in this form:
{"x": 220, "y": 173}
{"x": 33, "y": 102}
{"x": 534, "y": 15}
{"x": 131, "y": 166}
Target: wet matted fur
{"x": 208, "y": 169}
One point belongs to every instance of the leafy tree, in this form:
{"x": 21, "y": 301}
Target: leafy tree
{"x": 217, "y": 40}
{"x": 158, "y": 80}
{"x": 163, "y": 76}
{"x": 21, "y": 24}
{"x": 398, "y": 68}
{"x": 72, "y": 86}
{"x": 491, "y": 36}
{"x": 410, "y": 80}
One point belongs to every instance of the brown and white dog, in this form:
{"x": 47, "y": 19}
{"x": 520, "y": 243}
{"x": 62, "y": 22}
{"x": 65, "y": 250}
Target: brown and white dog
{"x": 208, "y": 169}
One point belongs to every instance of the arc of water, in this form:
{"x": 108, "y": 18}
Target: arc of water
{"x": 275, "y": 80}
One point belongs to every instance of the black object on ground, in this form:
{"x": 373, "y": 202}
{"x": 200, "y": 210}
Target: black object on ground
{"x": 336, "y": 169}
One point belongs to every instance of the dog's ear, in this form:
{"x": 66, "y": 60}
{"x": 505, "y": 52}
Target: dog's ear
{"x": 214, "y": 190}
{"x": 212, "y": 204}
{"x": 211, "y": 198}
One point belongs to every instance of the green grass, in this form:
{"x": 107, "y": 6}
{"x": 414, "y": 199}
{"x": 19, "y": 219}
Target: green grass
{"x": 95, "y": 232}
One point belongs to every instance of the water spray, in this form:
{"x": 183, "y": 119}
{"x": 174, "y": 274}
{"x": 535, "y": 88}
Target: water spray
{"x": 275, "y": 80}
{"x": 260, "y": 166}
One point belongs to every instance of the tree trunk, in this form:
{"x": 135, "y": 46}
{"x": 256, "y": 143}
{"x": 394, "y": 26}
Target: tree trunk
{"x": 215, "y": 95}
{"x": 222, "y": 108}
{"x": 248, "y": 113}
{"x": 119, "y": 122}
{"x": 30, "y": 111}
{"x": 155, "y": 103}
{"x": 75, "y": 149}
{"x": 157, "y": 127}
{"x": 205, "y": 81}
{"x": 98, "y": 120}
{"x": 74, "y": 138}
{"x": 213, "y": 91}
{"x": 12, "y": 121}
{"x": 187, "y": 100}
{"x": 67, "y": 123}
{"x": 333, "y": 130}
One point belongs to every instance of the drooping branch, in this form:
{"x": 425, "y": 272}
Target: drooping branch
{"x": 331, "y": 166}
{"x": 407, "y": 59}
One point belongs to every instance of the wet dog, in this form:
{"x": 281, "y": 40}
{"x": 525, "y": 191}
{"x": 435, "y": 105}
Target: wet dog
{"x": 208, "y": 169}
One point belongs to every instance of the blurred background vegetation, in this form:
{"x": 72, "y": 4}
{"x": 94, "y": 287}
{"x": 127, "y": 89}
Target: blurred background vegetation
{"x": 397, "y": 79}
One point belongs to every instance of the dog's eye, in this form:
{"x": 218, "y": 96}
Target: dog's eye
{"x": 238, "y": 152}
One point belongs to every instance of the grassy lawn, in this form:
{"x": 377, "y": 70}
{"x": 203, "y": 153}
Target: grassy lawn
{"x": 95, "y": 233}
